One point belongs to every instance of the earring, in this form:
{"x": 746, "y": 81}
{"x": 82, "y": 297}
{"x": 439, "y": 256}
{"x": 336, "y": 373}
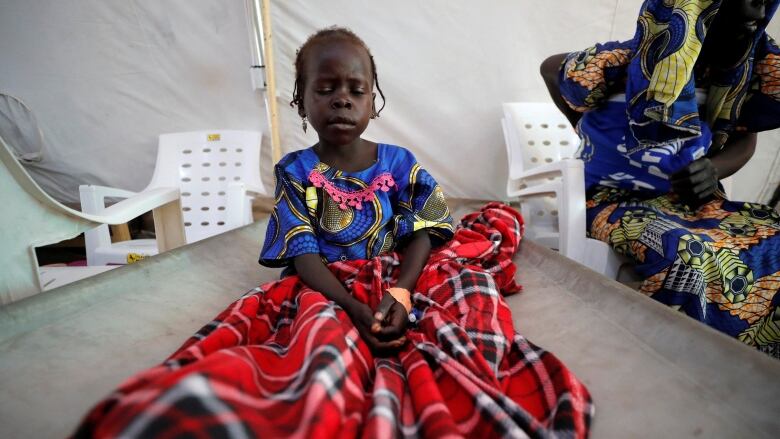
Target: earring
{"x": 303, "y": 123}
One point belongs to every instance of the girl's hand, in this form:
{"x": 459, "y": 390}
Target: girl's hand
{"x": 371, "y": 330}
{"x": 395, "y": 323}
{"x": 394, "y": 317}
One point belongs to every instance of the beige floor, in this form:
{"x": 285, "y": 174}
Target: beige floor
{"x": 652, "y": 372}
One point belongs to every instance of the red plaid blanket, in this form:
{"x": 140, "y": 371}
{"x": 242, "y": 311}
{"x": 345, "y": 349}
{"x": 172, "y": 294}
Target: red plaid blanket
{"x": 282, "y": 361}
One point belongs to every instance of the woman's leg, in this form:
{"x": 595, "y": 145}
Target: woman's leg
{"x": 719, "y": 264}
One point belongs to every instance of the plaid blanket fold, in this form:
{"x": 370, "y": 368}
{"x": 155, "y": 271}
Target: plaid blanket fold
{"x": 283, "y": 361}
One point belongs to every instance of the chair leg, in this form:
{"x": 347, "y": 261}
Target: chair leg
{"x": 169, "y": 226}
{"x": 120, "y": 232}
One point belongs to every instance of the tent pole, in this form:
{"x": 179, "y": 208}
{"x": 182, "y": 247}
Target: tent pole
{"x": 270, "y": 78}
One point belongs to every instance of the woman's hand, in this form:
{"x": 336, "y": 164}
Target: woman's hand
{"x": 696, "y": 183}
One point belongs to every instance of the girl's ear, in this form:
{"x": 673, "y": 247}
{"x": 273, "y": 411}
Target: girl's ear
{"x": 301, "y": 110}
{"x": 374, "y": 114}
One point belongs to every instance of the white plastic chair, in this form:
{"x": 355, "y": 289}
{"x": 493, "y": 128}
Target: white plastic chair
{"x": 550, "y": 184}
{"x": 218, "y": 173}
{"x": 33, "y": 219}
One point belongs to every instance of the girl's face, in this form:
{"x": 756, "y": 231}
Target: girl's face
{"x": 338, "y": 93}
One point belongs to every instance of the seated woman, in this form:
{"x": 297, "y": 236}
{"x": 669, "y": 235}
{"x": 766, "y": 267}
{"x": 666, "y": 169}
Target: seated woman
{"x": 662, "y": 118}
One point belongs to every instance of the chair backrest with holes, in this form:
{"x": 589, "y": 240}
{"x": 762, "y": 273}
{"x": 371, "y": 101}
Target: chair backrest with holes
{"x": 543, "y": 133}
{"x": 202, "y": 164}
{"x": 537, "y": 134}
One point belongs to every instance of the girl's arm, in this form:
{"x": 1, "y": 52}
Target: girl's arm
{"x": 415, "y": 256}
{"x": 550, "y": 69}
{"x": 318, "y": 277}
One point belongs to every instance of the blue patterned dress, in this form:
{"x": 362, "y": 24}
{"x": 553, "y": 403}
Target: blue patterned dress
{"x": 351, "y": 215}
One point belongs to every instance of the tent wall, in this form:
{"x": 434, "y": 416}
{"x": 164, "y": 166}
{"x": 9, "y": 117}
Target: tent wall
{"x": 106, "y": 77}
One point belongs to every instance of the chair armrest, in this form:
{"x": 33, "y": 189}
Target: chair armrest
{"x": 559, "y": 167}
{"x": 255, "y": 191}
{"x": 105, "y": 191}
{"x": 543, "y": 189}
{"x": 566, "y": 169}
{"x": 569, "y": 190}
{"x": 135, "y": 206}
{"x": 245, "y": 189}
{"x": 237, "y": 207}
{"x": 93, "y": 197}
{"x": 166, "y": 209}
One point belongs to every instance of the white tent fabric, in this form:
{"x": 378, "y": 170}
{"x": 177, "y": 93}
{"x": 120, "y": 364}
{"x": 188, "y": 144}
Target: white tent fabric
{"x": 106, "y": 77}
{"x": 18, "y": 125}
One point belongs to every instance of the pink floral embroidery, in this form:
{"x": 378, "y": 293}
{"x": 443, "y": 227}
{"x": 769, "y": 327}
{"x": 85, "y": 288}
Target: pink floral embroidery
{"x": 355, "y": 199}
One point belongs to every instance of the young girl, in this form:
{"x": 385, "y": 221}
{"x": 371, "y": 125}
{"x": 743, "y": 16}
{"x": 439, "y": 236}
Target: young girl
{"x": 347, "y": 198}
{"x": 368, "y": 333}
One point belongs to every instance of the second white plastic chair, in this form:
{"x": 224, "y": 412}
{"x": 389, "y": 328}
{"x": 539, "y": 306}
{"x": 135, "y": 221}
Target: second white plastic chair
{"x": 550, "y": 183}
{"x": 218, "y": 173}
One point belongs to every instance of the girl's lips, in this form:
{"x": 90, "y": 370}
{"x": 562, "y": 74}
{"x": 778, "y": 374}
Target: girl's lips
{"x": 341, "y": 126}
{"x": 341, "y": 123}
{"x": 344, "y": 120}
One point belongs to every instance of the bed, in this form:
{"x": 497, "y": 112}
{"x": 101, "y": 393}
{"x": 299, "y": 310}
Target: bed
{"x": 652, "y": 372}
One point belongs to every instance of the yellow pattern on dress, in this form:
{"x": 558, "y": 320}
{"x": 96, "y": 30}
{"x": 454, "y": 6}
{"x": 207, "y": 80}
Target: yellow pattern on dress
{"x": 672, "y": 73}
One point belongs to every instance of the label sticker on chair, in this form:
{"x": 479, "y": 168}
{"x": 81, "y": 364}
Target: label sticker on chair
{"x": 135, "y": 257}
{"x": 213, "y": 137}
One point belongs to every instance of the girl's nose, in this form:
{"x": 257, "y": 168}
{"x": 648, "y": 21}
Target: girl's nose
{"x": 341, "y": 101}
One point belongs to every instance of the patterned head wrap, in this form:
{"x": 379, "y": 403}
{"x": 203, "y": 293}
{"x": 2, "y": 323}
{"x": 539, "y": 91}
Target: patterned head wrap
{"x": 657, "y": 69}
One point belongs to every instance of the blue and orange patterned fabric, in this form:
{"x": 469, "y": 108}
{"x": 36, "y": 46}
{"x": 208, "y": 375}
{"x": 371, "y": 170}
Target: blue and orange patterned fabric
{"x": 351, "y": 215}
{"x": 655, "y": 70}
{"x": 720, "y": 263}
{"x": 609, "y": 163}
